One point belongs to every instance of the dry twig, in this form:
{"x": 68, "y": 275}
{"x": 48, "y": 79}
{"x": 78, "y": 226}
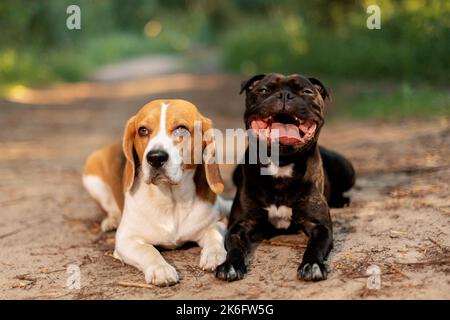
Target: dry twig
{"x": 285, "y": 244}
{"x": 135, "y": 285}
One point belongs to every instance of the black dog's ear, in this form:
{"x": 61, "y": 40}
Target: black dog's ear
{"x": 246, "y": 84}
{"x": 324, "y": 92}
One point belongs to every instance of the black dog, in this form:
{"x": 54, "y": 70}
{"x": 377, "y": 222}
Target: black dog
{"x": 306, "y": 181}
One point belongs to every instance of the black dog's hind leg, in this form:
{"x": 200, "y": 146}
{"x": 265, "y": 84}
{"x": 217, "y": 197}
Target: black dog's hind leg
{"x": 341, "y": 177}
{"x": 313, "y": 215}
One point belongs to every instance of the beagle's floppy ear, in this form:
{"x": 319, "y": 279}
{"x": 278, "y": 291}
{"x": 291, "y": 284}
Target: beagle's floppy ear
{"x": 128, "y": 150}
{"x": 212, "y": 171}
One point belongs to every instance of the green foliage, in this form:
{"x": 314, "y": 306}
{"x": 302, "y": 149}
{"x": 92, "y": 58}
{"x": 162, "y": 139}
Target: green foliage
{"x": 319, "y": 37}
{"x": 36, "y": 47}
{"x": 73, "y": 63}
{"x": 393, "y": 102}
{"x": 412, "y": 45}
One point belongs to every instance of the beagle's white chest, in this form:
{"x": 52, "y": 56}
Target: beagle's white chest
{"x": 167, "y": 219}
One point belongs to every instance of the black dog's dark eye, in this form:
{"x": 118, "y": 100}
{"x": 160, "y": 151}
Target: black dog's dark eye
{"x": 143, "y": 131}
{"x": 307, "y": 91}
{"x": 263, "y": 90}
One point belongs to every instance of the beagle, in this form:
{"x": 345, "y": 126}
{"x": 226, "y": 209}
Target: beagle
{"x": 165, "y": 200}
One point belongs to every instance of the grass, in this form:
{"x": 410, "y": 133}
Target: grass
{"x": 32, "y": 67}
{"x": 380, "y": 101}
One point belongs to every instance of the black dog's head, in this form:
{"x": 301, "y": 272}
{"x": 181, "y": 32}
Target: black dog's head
{"x": 292, "y": 104}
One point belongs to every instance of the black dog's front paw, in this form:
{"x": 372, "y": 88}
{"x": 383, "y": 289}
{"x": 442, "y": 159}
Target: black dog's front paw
{"x": 339, "y": 201}
{"x": 312, "y": 271}
{"x": 231, "y": 271}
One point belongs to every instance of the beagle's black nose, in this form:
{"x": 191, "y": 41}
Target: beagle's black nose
{"x": 156, "y": 158}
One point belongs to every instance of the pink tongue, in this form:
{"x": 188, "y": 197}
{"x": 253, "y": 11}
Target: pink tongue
{"x": 288, "y": 133}
{"x": 258, "y": 124}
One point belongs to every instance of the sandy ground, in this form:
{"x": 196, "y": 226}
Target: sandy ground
{"x": 399, "y": 218}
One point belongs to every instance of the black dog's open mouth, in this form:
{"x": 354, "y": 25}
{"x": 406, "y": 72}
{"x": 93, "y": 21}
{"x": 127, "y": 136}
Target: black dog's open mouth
{"x": 287, "y": 129}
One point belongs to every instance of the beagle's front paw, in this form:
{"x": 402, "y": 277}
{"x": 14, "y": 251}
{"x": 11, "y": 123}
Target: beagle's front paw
{"x": 109, "y": 224}
{"x": 161, "y": 275}
{"x": 210, "y": 258}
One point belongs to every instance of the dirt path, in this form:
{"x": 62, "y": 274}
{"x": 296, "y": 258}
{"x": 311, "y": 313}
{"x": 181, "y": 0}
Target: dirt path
{"x": 399, "y": 219}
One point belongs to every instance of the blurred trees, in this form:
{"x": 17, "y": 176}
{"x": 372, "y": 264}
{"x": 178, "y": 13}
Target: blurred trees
{"x": 330, "y": 37}
{"x": 252, "y": 35}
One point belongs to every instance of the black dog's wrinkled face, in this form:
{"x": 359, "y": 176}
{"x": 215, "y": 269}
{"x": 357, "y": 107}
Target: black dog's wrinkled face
{"x": 291, "y": 106}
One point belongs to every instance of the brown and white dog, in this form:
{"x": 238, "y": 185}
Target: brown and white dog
{"x": 165, "y": 201}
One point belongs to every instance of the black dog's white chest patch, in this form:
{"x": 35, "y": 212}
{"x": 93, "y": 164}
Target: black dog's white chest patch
{"x": 279, "y": 217}
{"x": 280, "y": 172}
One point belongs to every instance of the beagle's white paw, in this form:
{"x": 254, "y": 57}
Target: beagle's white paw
{"x": 161, "y": 275}
{"x": 109, "y": 224}
{"x": 210, "y": 258}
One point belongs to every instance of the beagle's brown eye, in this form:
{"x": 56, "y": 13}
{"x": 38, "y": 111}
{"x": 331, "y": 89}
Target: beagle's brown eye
{"x": 143, "y": 131}
{"x": 307, "y": 91}
{"x": 180, "y": 131}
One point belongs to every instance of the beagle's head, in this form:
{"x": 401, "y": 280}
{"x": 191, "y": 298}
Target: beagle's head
{"x": 159, "y": 144}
